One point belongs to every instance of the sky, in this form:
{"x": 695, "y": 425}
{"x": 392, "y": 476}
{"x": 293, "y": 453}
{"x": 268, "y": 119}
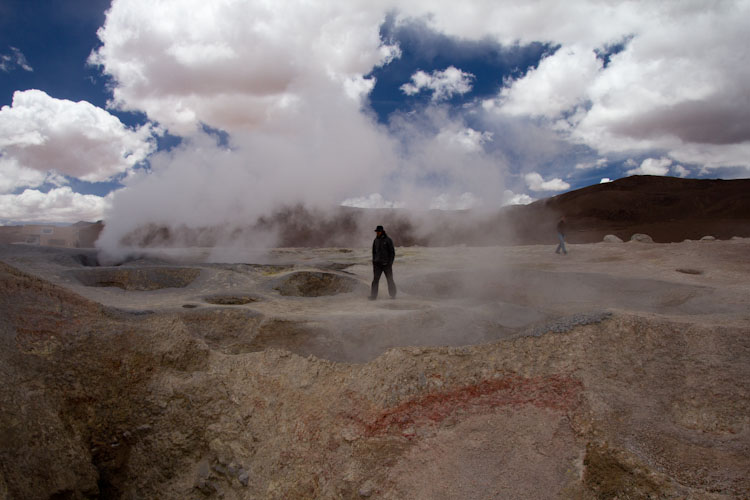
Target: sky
{"x": 195, "y": 113}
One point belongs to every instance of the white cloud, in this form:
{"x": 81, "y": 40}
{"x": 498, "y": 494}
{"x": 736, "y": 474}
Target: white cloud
{"x": 712, "y": 156}
{"x": 676, "y": 86}
{"x": 536, "y": 182}
{"x": 57, "y": 205}
{"x": 388, "y": 53}
{"x": 511, "y": 198}
{"x": 443, "y": 84}
{"x": 673, "y": 85}
{"x": 558, "y": 84}
{"x": 13, "y": 176}
{"x": 652, "y": 166}
{"x": 358, "y": 87}
{"x": 16, "y": 59}
{"x": 676, "y": 77}
{"x": 375, "y": 200}
{"x": 600, "y": 163}
{"x": 40, "y": 134}
{"x": 511, "y": 22}
{"x": 467, "y": 138}
{"x": 605, "y": 180}
{"x": 680, "y": 171}
{"x": 235, "y": 65}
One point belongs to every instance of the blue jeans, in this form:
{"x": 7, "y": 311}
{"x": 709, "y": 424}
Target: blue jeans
{"x": 561, "y": 246}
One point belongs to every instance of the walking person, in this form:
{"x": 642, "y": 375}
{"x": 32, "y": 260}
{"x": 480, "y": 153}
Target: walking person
{"x": 383, "y": 255}
{"x": 561, "y": 236}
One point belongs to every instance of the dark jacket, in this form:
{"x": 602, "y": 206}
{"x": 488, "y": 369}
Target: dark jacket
{"x": 561, "y": 227}
{"x": 383, "y": 251}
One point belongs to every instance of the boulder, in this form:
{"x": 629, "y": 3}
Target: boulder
{"x": 708, "y": 238}
{"x": 643, "y": 238}
{"x": 611, "y": 238}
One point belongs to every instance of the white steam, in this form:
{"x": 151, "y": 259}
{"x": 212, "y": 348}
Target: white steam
{"x": 287, "y": 82}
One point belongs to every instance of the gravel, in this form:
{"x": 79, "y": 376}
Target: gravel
{"x": 566, "y": 323}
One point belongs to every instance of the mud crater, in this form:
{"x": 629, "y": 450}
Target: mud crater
{"x": 137, "y": 279}
{"x": 314, "y": 284}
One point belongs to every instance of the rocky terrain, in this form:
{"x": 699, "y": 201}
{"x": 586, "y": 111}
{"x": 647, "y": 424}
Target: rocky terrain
{"x": 618, "y": 371}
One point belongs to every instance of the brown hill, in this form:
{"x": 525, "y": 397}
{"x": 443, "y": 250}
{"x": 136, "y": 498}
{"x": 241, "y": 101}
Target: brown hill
{"x": 667, "y": 208}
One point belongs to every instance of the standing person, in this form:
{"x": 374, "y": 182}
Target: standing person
{"x": 383, "y": 255}
{"x": 561, "y": 236}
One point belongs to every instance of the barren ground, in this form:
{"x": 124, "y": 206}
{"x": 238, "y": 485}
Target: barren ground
{"x": 618, "y": 371}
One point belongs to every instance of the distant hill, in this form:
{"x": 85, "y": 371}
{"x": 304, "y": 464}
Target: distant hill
{"x": 666, "y": 208}
{"x": 79, "y": 235}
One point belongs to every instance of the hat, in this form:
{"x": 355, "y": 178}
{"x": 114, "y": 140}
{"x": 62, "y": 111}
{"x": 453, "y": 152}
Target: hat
{"x": 379, "y": 228}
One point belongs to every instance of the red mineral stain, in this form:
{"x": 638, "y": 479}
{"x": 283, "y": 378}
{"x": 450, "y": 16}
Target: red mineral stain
{"x": 554, "y": 392}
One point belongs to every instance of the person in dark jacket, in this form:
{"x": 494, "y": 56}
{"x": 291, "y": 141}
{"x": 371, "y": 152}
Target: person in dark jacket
{"x": 383, "y": 255}
{"x": 561, "y": 236}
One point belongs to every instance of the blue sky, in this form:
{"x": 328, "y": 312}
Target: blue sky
{"x": 189, "y": 113}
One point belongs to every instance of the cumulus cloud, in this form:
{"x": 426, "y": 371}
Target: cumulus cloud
{"x": 443, "y": 84}
{"x": 652, "y": 166}
{"x": 13, "y": 176}
{"x": 512, "y": 22}
{"x": 558, "y": 84}
{"x": 467, "y": 138}
{"x": 16, "y": 59}
{"x": 605, "y": 180}
{"x": 536, "y": 182}
{"x": 41, "y": 135}
{"x": 672, "y": 87}
{"x": 683, "y": 91}
{"x": 58, "y": 205}
{"x": 511, "y": 198}
{"x": 358, "y": 87}
{"x": 680, "y": 171}
{"x": 234, "y": 65}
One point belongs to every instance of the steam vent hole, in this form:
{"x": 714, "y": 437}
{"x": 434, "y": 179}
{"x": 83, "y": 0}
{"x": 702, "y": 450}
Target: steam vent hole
{"x": 142, "y": 279}
{"x": 315, "y": 284}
